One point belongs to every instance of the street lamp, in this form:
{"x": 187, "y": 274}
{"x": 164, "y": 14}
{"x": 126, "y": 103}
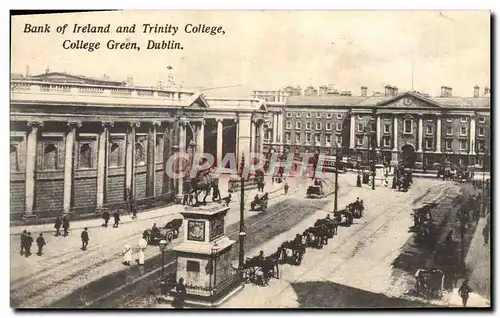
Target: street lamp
{"x": 242, "y": 233}
{"x": 337, "y": 160}
{"x": 163, "y": 247}
{"x": 373, "y": 160}
{"x": 214, "y": 251}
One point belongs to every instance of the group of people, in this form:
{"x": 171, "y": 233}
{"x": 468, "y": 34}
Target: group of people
{"x": 27, "y": 242}
{"x": 116, "y": 217}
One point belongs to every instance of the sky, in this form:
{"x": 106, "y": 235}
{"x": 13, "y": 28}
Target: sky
{"x": 273, "y": 49}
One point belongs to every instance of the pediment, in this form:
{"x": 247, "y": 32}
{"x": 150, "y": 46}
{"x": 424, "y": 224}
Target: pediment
{"x": 197, "y": 101}
{"x": 410, "y": 100}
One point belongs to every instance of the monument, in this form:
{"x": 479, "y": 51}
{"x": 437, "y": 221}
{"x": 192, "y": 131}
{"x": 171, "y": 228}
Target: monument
{"x": 204, "y": 257}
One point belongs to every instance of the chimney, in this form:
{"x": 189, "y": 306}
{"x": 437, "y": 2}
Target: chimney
{"x": 130, "y": 81}
{"x": 364, "y": 91}
{"x": 395, "y": 91}
{"x": 28, "y": 71}
{"x": 323, "y": 90}
{"x": 486, "y": 91}
{"x": 446, "y": 91}
{"x": 388, "y": 89}
{"x": 47, "y": 70}
{"x": 476, "y": 91}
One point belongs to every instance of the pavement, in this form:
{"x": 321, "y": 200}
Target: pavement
{"x": 271, "y": 188}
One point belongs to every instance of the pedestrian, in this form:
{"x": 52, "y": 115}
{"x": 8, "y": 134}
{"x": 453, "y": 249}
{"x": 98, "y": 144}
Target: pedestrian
{"x": 127, "y": 255}
{"x": 116, "y": 216}
{"x": 486, "y": 234}
{"x": 105, "y": 216}
{"x": 28, "y": 240}
{"x": 85, "y": 239}
{"x": 286, "y": 187}
{"x": 65, "y": 225}
{"x": 180, "y": 289}
{"x": 134, "y": 211}
{"x": 57, "y": 226}
{"x": 23, "y": 241}
{"x": 40, "y": 242}
{"x": 142, "y": 246}
{"x": 464, "y": 292}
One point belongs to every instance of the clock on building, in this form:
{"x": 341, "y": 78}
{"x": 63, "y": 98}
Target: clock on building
{"x": 407, "y": 101}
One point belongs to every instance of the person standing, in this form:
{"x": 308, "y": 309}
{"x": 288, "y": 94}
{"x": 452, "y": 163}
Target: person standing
{"x": 464, "y": 292}
{"x": 142, "y": 246}
{"x": 286, "y": 187}
{"x": 116, "y": 216}
{"x": 65, "y": 225}
{"x": 127, "y": 255}
{"x": 105, "y": 216}
{"x": 28, "y": 242}
{"x": 134, "y": 211}
{"x": 40, "y": 242}
{"x": 57, "y": 226}
{"x": 85, "y": 239}
{"x": 180, "y": 294}
{"x": 23, "y": 241}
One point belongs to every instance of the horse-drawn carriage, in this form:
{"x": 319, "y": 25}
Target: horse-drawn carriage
{"x": 259, "y": 269}
{"x": 356, "y": 209}
{"x": 344, "y": 217}
{"x": 259, "y": 203}
{"x": 330, "y": 225}
{"x": 315, "y": 190}
{"x": 423, "y": 224}
{"x": 169, "y": 232}
{"x": 292, "y": 252}
{"x": 429, "y": 283}
{"x": 316, "y": 236}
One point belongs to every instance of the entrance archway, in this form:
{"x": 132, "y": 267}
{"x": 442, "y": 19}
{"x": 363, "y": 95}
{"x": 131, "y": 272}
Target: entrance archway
{"x": 408, "y": 156}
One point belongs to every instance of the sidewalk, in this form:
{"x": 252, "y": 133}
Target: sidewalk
{"x": 150, "y": 214}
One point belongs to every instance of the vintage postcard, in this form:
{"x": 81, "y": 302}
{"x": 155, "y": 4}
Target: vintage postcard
{"x": 250, "y": 159}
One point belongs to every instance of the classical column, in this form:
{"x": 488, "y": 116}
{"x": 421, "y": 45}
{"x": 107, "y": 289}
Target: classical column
{"x": 130, "y": 159}
{"x": 244, "y": 138}
{"x": 151, "y": 157}
{"x": 352, "y": 137}
{"x": 253, "y": 134}
{"x": 261, "y": 136}
{"x": 200, "y": 136}
{"x": 29, "y": 187}
{"x": 182, "y": 150}
{"x": 472, "y": 138}
{"x": 275, "y": 128}
{"x": 102, "y": 165}
{"x": 237, "y": 147}
{"x": 420, "y": 133}
{"x": 220, "y": 136}
{"x": 69, "y": 161}
{"x": 438, "y": 134}
{"x": 378, "y": 130}
{"x": 395, "y": 133}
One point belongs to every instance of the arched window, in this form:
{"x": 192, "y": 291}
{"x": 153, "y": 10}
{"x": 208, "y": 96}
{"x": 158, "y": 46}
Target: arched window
{"x": 14, "y": 164}
{"x": 50, "y": 157}
{"x": 85, "y": 156}
{"x": 140, "y": 158}
{"x": 114, "y": 155}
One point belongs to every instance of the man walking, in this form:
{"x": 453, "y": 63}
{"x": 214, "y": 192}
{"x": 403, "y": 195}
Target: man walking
{"x": 28, "y": 242}
{"x": 23, "y": 241}
{"x": 464, "y": 292}
{"x": 65, "y": 225}
{"x": 105, "y": 216}
{"x": 116, "y": 216}
{"x": 57, "y": 226}
{"x": 40, "y": 242}
{"x": 85, "y": 239}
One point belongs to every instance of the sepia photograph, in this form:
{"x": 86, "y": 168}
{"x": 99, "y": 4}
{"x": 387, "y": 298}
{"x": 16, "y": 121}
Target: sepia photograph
{"x": 250, "y": 159}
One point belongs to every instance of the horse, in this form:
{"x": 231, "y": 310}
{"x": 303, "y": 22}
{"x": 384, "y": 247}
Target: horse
{"x": 203, "y": 183}
{"x": 330, "y": 225}
{"x": 297, "y": 249}
{"x": 316, "y": 236}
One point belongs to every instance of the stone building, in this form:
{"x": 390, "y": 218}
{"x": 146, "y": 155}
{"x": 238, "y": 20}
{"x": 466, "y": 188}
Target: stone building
{"x": 78, "y": 144}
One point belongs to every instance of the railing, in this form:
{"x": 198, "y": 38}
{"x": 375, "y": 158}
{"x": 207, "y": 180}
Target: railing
{"x": 234, "y": 280}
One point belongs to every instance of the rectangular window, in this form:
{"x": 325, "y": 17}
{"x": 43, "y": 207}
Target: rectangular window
{"x": 339, "y": 127}
{"x": 297, "y": 138}
{"x": 328, "y": 126}
{"x": 463, "y": 119}
{"x": 308, "y": 115}
{"x": 288, "y": 115}
{"x": 298, "y": 125}
{"x": 317, "y": 138}
{"x": 297, "y": 115}
{"x": 318, "y": 115}
{"x": 480, "y": 146}
{"x": 482, "y": 120}
{"x": 360, "y": 127}
{"x": 14, "y": 162}
{"x": 339, "y": 116}
{"x": 328, "y": 138}
{"x": 428, "y": 144}
{"x": 360, "y": 141}
{"x": 448, "y": 131}
{"x": 480, "y": 131}
{"x": 407, "y": 126}
{"x": 387, "y": 142}
{"x": 428, "y": 130}
{"x": 339, "y": 139}
{"x": 387, "y": 128}
{"x": 448, "y": 144}
{"x": 308, "y": 137}
{"x": 308, "y": 125}
{"x": 463, "y": 144}
{"x": 50, "y": 156}
{"x": 85, "y": 155}
{"x": 318, "y": 126}
{"x": 329, "y": 115}
{"x": 463, "y": 131}
{"x": 287, "y": 137}
{"x": 373, "y": 127}
{"x": 288, "y": 124}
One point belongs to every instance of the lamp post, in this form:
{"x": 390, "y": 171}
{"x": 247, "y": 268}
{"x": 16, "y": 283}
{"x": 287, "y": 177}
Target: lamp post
{"x": 373, "y": 160}
{"x": 214, "y": 251}
{"x": 242, "y": 215}
{"x": 337, "y": 160}
{"x": 163, "y": 247}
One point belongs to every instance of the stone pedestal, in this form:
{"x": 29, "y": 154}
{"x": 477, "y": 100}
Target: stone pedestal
{"x": 204, "y": 257}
